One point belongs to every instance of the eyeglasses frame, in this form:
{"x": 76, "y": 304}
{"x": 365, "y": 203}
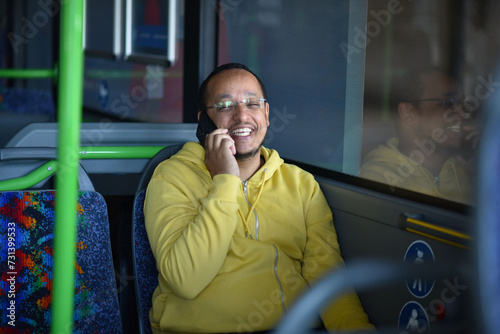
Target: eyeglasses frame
{"x": 235, "y": 103}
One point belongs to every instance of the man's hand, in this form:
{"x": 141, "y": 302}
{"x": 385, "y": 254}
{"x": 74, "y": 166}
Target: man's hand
{"x": 219, "y": 154}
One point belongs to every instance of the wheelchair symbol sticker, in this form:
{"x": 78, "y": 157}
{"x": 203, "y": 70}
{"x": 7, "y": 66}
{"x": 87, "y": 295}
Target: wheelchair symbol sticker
{"x": 412, "y": 319}
{"x": 419, "y": 252}
{"x": 103, "y": 94}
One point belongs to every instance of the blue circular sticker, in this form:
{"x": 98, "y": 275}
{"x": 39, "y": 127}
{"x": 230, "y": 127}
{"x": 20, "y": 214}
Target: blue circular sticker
{"x": 412, "y": 319}
{"x": 419, "y": 252}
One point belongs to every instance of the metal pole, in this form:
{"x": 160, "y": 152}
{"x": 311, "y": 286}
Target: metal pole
{"x": 69, "y": 117}
{"x": 29, "y": 74}
{"x": 86, "y": 153}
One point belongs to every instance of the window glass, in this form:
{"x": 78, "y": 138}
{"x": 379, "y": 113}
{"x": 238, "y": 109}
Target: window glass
{"x": 138, "y": 86}
{"x": 428, "y": 68}
{"x": 390, "y": 91}
{"x": 298, "y": 48}
{"x": 100, "y": 27}
{"x": 149, "y": 27}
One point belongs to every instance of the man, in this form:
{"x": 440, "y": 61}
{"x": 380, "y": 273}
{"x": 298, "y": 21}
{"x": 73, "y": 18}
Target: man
{"x": 429, "y": 115}
{"x": 236, "y": 233}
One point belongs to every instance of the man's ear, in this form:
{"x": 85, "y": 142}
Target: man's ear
{"x": 406, "y": 112}
{"x": 199, "y": 113}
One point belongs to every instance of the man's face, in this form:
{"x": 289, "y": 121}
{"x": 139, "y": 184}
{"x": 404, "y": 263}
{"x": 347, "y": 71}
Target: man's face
{"x": 246, "y": 127}
{"x": 440, "y": 123}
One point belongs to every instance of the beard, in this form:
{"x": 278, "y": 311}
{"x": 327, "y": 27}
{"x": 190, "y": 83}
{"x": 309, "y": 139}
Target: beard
{"x": 248, "y": 155}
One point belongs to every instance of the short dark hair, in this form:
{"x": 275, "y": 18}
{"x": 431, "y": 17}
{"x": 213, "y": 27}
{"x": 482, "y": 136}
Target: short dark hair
{"x": 202, "y": 92}
{"x": 409, "y": 86}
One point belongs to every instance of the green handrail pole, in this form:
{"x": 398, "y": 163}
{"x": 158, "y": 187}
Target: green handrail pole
{"x": 29, "y": 73}
{"x": 31, "y": 179}
{"x": 69, "y": 117}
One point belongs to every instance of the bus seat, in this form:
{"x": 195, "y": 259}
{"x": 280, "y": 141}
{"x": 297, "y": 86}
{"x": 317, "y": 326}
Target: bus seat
{"x": 26, "y": 252}
{"x": 26, "y": 256}
{"x": 20, "y": 106}
{"x": 144, "y": 264}
{"x": 27, "y": 101}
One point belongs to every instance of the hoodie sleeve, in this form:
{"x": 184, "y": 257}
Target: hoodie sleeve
{"x": 322, "y": 253}
{"x": 190, "y": 243}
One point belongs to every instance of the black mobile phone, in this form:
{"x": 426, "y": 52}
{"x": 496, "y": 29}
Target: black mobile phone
{"x": 205, "y": 126}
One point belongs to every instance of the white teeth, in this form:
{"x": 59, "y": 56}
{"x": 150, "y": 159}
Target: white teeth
{"x": 242, "y": 132}
{"x": 455, "y": 128}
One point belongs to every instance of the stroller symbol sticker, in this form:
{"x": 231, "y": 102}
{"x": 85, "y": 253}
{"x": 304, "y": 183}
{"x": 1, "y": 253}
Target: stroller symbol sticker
{"x": 419, "y": 252}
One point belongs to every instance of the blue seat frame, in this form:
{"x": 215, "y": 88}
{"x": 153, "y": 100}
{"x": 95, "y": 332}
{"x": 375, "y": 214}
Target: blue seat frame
{"x": 144, "y": 264}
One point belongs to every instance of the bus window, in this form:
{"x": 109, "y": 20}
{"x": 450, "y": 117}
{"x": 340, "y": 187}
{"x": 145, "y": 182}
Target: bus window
{"x": 330, "y": 81}
{"x": 143, "y": 80}
{"x": 425, "y": 63}
{"x": 299, "y": 49}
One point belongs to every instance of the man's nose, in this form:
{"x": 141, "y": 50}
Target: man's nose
{"x": 460, "y": 109}
{"x": 240, "y": 112}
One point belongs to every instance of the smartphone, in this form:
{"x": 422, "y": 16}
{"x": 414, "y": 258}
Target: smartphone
{"x": 205, "y": 126}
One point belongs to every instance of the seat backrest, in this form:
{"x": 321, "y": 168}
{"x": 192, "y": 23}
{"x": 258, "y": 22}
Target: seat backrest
{"x": 20, "y": 106}
{"x": 144, "y": 264}
{"x": 26, "y": 264}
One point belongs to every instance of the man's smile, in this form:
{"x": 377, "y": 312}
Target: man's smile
{"x": 241, "y": 132}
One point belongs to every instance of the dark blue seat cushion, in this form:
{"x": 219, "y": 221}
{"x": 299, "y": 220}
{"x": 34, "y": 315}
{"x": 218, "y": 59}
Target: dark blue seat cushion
{"x": 146, "y": 274}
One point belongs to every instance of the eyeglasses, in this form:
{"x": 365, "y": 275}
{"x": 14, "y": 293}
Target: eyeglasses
{"x": 450, "y": 103}
{"x": 250, "y": 104}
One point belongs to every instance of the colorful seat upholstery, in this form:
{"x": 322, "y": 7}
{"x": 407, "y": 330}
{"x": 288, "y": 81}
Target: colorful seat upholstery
{"x": 26, "y": 264}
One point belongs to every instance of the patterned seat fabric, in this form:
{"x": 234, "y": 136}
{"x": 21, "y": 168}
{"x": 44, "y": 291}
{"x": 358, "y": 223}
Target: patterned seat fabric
{"x": 146, "y": 274}
{"x": 26, "y": 264}
{"x": 27, "y": 101}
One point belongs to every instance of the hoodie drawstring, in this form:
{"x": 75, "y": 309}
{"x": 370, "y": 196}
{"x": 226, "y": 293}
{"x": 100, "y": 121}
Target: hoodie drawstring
{"x": 432, "y": 183}
{"x": 436, "y": 189}
{"x": 248, "y": 234}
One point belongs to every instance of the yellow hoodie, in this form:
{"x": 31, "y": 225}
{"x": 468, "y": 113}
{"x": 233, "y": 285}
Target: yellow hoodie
{"x": 232, "y": 255}
{"x": 387, "y": 165}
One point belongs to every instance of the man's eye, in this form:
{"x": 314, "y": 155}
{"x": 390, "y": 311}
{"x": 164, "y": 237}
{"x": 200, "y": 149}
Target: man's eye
{"x": 448, "y": 104}
{"x": 223, "y": 106}
{"x": 253, "y": 105}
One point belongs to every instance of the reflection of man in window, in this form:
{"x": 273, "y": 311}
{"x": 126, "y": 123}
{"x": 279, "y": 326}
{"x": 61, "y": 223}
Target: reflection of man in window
{"x": 429, "y": 116}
